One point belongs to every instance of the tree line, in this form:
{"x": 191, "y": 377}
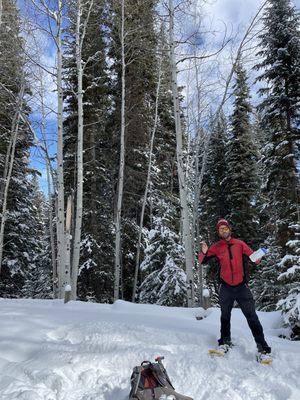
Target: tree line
{"x": 133, "y": 184}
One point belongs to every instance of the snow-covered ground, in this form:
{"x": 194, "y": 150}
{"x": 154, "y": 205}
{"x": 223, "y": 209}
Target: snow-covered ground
{"x": 85, "y": 351}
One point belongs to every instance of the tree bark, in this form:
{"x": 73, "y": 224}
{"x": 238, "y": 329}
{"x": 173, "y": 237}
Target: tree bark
{"x": 195, "y": 223}
{"x": 80, "y": 35}
{"x": 60, "y": 226}
{"x": 67, "y": 276}
{"x": 79, "y": 184}
{"x": 122, "y": 164}
{"x": 1, "y": 8}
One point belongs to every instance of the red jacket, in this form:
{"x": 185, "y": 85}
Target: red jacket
{"x": 230, "y": 256}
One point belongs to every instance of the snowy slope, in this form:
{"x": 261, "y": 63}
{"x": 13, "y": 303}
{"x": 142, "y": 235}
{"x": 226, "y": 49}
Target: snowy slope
{"x": 84, "y": 351}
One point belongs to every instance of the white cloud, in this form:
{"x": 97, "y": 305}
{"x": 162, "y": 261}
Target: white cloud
{"x": 234, "y": 11}
{"x": 214, "y": 15}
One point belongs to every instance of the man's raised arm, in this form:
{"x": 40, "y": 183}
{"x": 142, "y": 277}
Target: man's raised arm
{"x": 206, "y": 253}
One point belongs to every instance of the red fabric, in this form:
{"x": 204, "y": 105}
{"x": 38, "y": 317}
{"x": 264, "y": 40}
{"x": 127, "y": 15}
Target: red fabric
{"x": 149, "y": 380}
{"x": 231, "y": 270}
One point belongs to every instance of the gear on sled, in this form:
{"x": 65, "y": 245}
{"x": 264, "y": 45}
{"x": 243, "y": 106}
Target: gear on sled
{"x": 150, "y": 381}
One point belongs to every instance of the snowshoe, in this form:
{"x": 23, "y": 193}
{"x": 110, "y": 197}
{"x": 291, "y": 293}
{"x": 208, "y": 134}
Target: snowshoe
{"x": 220, "y": 351}
{"x": 264, "y": 358}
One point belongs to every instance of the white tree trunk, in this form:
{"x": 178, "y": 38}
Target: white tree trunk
{"x": 6, "y": 166}
{"x": 10, "y": 163}
{"x": 1, "y": 8}
{"x": 122, "y": 165}
{"x": 67, "y": 277}
{"x": 50, "y": 179}
{"x": 79, "y": 187}
{"x": 137, "y": 264}
{"x": 195, "y": 223}
{"x": 60, "y": 225}
{"x": 185, "y": 217}
{"x": 80, "y": 35}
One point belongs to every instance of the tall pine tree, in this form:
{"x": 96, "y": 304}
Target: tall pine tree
{"x": 212, "y": 200}
{"x": 21, "y": 242}
{"x": 96, "y": 257}
{"x": 212, "y": 205}
{"x": 164, "y": 278}
{"x": 163, "y": 281}
{"x": 280, "y": 65}
{"x": 140, "y": 93}
{"x": 241, "y": 181}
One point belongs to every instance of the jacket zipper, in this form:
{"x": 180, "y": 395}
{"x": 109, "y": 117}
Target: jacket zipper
{"x": 230, "y": 258}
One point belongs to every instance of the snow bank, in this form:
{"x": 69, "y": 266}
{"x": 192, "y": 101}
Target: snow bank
{"x": 86, "y": 351}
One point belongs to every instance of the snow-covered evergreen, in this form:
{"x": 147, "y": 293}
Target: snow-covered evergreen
{"x": 38, "y": 274}
{"x": 165, "y": 280}
{"x": 289, "y": 268}
{"x": 95, "y": 275}
{"x": 280, "y": 65}
{"x": 241, "y": 179}
{"x": 22, "y": 239}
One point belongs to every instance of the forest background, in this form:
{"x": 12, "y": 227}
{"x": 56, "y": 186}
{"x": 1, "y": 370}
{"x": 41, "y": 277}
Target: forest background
{"x": 128, "y": 128}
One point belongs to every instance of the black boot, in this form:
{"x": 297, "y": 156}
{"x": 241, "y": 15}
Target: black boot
{"x": 226, "y": 340}
{"x": 263, "y": 348}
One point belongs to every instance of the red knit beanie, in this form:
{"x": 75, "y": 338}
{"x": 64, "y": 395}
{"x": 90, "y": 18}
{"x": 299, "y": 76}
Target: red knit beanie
{"x": 224, "y": 223}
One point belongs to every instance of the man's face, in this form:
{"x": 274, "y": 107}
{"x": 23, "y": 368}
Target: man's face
{"x": 224, "y": 232}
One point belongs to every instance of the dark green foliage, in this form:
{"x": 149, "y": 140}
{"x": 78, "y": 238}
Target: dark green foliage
{"x": 280, "y": 65}
{"x": 102, "y": 110}
{"x": 38, "y": 274}
{"x": 96, "y": 275}
{"x": 141, "y": 78}
{"x": 212, "y": 199}
{"x": 241, "y": 181}
{"x": 264, "y": 284}
{"x": 21, "y": 241}
{"x": 213, "y": 204}
{"x": 281, "y": 72}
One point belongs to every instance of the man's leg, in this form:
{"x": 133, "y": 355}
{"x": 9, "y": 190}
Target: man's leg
{"x": 226, "y": 300}
{"x": 246, "y": 302}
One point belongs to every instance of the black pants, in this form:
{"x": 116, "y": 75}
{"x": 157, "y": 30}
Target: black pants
{"x": 243, "y": 296}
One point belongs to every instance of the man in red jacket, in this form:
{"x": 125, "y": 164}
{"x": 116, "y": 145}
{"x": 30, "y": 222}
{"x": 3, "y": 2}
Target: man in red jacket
{"x": 232, "y": 255}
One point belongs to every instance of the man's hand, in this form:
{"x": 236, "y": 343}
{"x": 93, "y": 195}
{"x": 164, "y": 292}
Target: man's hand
{"x": 204, "y": 247}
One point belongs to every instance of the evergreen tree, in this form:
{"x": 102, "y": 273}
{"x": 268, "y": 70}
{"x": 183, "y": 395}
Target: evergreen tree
{"x": 212, "y": 200}
{"x": 164, "y": 191}
{"x": 165, "y": 281}
{"x": 290, "y": 277}
{"x": 264, "y": 283}
{"x": 38, "y": 275}
{"x": 241, "y": 182}
{"x": 280, "y": 65}
{"x": 140, "y": 92}
{"x": 280, "y": 43}
{"x": 21, "y": 246}
{"x": 96, "y": 257}
{"x": 166, "y": 178}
